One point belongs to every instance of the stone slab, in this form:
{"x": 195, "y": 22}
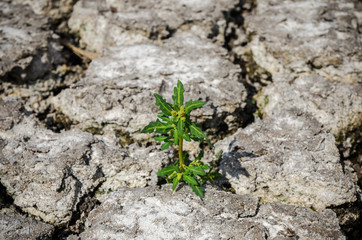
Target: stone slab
{"x": 287, "y": 158}
{"x": 152, "y": 213}
{"x": 118, "y": 89}
{"x": 299, "y": 36}
{"x": 110, "y": 23}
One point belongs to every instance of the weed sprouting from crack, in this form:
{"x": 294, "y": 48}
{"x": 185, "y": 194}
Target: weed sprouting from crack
{"x": 174, "y": 125}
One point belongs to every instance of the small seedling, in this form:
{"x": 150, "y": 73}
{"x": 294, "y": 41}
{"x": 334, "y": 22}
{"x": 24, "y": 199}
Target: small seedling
{"x": 173, "y": 126}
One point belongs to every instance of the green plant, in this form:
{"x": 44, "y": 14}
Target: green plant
{"x": 174, "y": 125}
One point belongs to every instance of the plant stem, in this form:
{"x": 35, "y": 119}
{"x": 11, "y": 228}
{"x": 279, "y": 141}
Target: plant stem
{"x": 180, "y": 153}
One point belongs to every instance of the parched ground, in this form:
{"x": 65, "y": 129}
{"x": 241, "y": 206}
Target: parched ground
{"x": 282, "y": 82}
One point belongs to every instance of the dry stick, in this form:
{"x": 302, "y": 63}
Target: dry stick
{"x": 85, "y": 55}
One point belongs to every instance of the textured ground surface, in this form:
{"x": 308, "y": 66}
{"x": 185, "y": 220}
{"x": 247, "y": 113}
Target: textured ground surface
{"x": 109, "y": 23}
{"x": 48, "y": 174}
{"x": 282, "y": 82}
{"x": 337, "y": 106}
{"x": 27, "y": 51}
{"x": 118, "y": 88}
{"x": 303, "y": 36}
{"x": 152, "y": 213}
{"x": 287, "y": 158}
{"x": 16, "y": 226}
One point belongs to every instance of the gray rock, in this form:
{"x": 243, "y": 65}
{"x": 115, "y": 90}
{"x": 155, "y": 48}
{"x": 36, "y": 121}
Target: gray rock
{"x": 294, "y": 222}
{"x": 54, "y": 9}
{"x": 38, "y": 6}
{"x": 287, "y": 158}
{"x": 10, "y": 113}
{"x": 14, "y": 226}
{"x": 152, "y": 213}
{"x": 49, "y": 173}
{"x": 46, "y": 173}
{"x": 118, "y": 89}
{"x": 27, "y": 50}
{"x": 31, "y": 58}
{"x": 303, "y": 36}
{"x": 132, "y": 166}
{"x": 109, "y": 23}
{"x": 338, "y": 106}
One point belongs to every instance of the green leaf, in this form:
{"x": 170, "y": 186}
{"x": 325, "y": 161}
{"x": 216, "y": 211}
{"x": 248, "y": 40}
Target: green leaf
{"x": 185, "y": 156}
{"x": 197, "y": 170}
{"x": 164, "y": 106}
{"x": 178, "y": 97}
{"x": 162, "y": 127}
{"x": 163, "y": 116}
{"x": 190, "y": 180}
{"x": 196, "y": 131}
{"x": 191, "y": 105}
{"x": 209, "y": 143}
{"x": 160, "y": 115}
{"x": 166, "y": 119}
{"x": 198, "y": 158}
{"x": 166, "y": 145}
{"x": 175, "y": 183}
{"x": 158, "y": 126}
{"x": 186, "y": 137}
{"x": 150, "y": 128}
{"x": 160, "y": 138}
{"x": 172, "y": 176}
{"x": 215, "y": 175}
{"x": 167, "y": 171}
{"x": 211, "y": 176}
{"x": 197, "y": 190}
{"x": 196, "y": 139}
{"x": 206, "y": 167}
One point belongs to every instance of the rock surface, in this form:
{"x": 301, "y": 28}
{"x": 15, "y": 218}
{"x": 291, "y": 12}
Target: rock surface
{"x": 53, "y": 173}
{"x": 293, "y": 222}
{"x": 152, "y": 213}
{"x": 287, "y": 158}
{"x": 118, "y": 89}
{"x": 10, "y": 113}
{"x": 337, "y": 106}
{"x": 14, "y": 226}
{"x": 27, "y": 50}
{"x": 132, "y": 166}
{"x": 48, "y": 173}
{"x": 54, "y": 9}
{"x": 109, "y": 23}
{"x": 303, "y": 36}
